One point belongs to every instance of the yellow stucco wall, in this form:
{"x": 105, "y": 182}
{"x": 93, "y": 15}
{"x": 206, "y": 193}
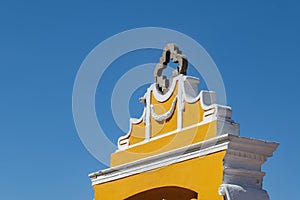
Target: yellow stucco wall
{"x": 158, "y": 128}
{"x": 202, "y": 175}
{"x": 166, "y": 143}
{"x": 137, "y": 133}
{"x": 192, "y": 114}
{"x": 164, "y": 135}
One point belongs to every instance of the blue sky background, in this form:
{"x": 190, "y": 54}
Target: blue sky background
{"x": 255, "y": 45}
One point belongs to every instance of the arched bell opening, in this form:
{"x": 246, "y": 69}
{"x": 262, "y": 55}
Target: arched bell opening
{"x": 165, "y": 193}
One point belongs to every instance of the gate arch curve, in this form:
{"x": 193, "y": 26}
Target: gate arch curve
{"x": 167, "y": 193}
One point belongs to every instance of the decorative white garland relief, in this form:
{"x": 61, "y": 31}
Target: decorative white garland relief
{"x": 166, "y": 115}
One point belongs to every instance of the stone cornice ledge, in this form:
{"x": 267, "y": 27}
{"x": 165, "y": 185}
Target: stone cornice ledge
{"x": 236, "y": 192}
{"x": 220, "y": 143}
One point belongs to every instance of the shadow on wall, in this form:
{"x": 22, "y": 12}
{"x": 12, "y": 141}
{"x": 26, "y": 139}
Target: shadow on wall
{"x": 165, "y": 193}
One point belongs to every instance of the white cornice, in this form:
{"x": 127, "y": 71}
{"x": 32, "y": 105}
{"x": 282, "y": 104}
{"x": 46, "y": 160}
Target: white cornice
{"x": 237, "y": 192}
{"x": 223, "y": 142}
{"x": 242, "y": 162}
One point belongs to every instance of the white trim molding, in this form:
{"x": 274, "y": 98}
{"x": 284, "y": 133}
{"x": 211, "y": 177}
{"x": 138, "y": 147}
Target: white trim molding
{"x": 123, "y": 142}
{"x": 237, "y": 192}
{"x": 187, "y": 92}
{"x": 242, "y": 161}
{"x": 243, "y": 178}
{"x": 166, "y": 115}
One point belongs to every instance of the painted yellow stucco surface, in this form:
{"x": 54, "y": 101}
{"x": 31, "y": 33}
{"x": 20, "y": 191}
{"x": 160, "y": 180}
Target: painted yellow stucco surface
{"x": 165, "y": 136}
{"x": 203, "y": 175}
{"x": 166, "y": 143}
{"x": 158, "y": 128}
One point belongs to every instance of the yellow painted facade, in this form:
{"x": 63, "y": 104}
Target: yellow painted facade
{"x": 158, "y": 128}
{"x": 202, "y": 175}
{"x": 183, "y": 147}
{"x": 165, "y": 136}
{"x": 164, "y": 144}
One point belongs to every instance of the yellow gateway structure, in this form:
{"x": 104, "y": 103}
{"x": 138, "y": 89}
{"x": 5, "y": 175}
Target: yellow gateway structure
{"x": 184, "y": 147}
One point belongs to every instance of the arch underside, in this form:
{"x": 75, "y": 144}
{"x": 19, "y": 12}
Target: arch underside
{"x": 167, "y": 193}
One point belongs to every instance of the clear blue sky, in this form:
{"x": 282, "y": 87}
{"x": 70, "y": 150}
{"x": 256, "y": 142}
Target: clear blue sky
{"x": 255, "y": 45}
